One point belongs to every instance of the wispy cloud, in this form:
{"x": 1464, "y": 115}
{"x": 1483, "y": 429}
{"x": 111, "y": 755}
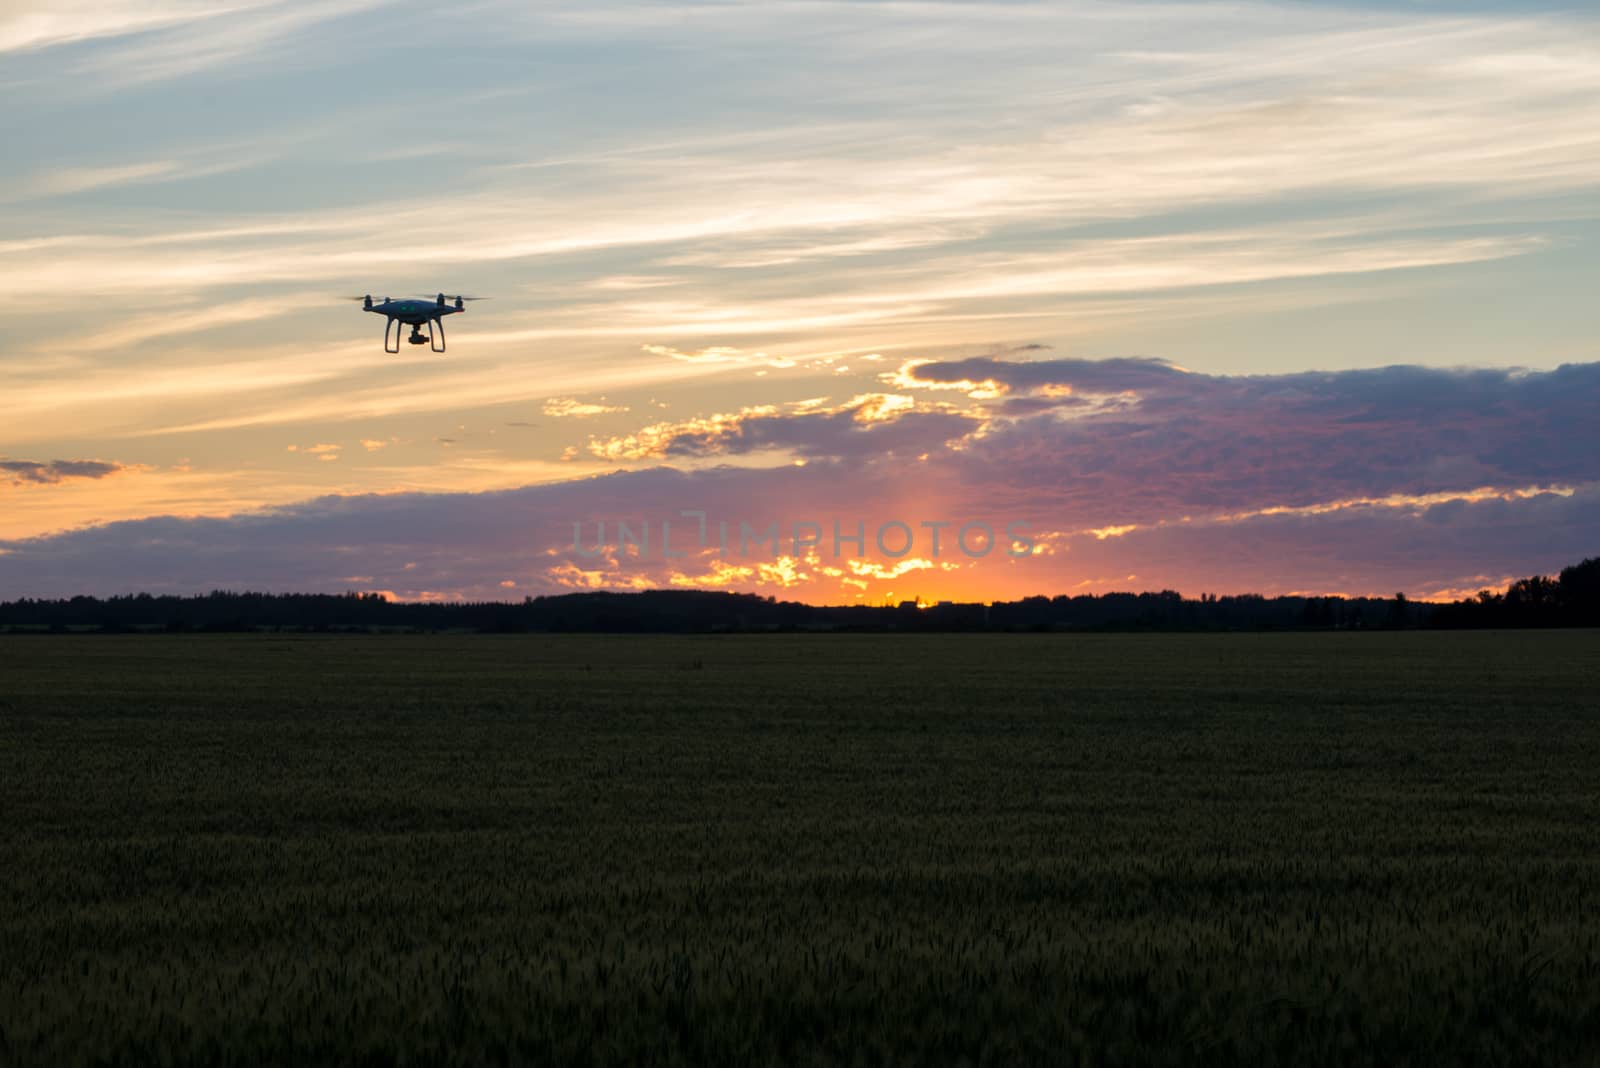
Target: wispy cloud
{"x": 187, "y": 318}
{"x": 35, "y": 24}
{"x": 79, "y": 179}
{"x": 165, "y": 38}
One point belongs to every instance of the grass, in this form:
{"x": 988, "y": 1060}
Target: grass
{"x": 1331, "y": 849}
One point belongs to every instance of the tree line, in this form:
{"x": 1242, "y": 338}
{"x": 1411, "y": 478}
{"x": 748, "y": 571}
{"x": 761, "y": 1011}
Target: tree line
{"x": 1569, "y": 599}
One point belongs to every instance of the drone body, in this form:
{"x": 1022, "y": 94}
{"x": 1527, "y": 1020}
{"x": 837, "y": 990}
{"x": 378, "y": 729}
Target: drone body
{"x": 415, "y": 314}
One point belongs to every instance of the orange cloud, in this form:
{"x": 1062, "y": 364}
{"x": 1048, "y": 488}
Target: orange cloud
{"x": 573, "y": 408}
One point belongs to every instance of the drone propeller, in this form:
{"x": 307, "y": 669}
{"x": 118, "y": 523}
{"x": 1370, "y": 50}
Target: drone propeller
{"x": 451, "y": 296}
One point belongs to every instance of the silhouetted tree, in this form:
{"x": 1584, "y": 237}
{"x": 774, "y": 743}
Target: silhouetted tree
{"x": 1578, "y": 593}
{"x": 1399, "y": 616}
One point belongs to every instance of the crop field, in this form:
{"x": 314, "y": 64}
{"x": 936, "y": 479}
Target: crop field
{"x": 1323, "y": 849}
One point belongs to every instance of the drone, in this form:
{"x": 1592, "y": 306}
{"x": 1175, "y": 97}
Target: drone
{"x": 419, "y": 313}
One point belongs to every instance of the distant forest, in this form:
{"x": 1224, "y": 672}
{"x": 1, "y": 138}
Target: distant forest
{"x": 1571, "y": 599}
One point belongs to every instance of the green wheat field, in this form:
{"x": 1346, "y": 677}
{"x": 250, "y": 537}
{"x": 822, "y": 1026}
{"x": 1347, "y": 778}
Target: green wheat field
{"x": 1294, "y": 849}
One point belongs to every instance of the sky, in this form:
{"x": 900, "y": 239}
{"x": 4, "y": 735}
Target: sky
{"x": 1285, "y": 297}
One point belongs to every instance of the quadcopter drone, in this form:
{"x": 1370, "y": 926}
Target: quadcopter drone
{"x": 416, "y": 314}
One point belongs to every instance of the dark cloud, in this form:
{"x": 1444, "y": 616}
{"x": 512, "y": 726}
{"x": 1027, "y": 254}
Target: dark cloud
{"x": 1452, "y": 547}
{"x": 835, "y": 434}
{"x": 1193, "y": 444}
{"x": 56, "y": 471}
{"x": 1359, "y": 482}
{"x": 468, "y": 544}
{"x": 413, "y": 543}
{"x": 1019, "y": 406}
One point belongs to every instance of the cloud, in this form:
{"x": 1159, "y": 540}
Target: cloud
{"x": 1376, "y": 549}
{"x": 54, "y": 472}
{"x": 327, "y": 452}
{"x": 869, "y": 425}
{"x": 573, "y": 408}
{"x": 1180, "y": 443}
{"x": 657, "y": 439}
{"x": 1362, "y": 481}
{"x": 79, "y": 179}
{"x": 36, "y": 24}
{"x": 720, "y": 354}
{"x": 992, "y": 375}
{"x": 145, "y": 42}
{"x": 414, "y": 543}
{"x": 714, "y": 354}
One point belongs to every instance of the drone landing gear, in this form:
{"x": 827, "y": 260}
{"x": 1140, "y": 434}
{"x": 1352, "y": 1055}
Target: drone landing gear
{"x": 434, "y": 338}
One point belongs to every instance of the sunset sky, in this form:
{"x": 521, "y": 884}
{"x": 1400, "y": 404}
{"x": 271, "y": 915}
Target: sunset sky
{"x": 1289, "y": 297}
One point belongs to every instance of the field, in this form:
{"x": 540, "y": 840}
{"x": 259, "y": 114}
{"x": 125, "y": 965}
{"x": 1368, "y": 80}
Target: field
{"x": 1323, "y": 849}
